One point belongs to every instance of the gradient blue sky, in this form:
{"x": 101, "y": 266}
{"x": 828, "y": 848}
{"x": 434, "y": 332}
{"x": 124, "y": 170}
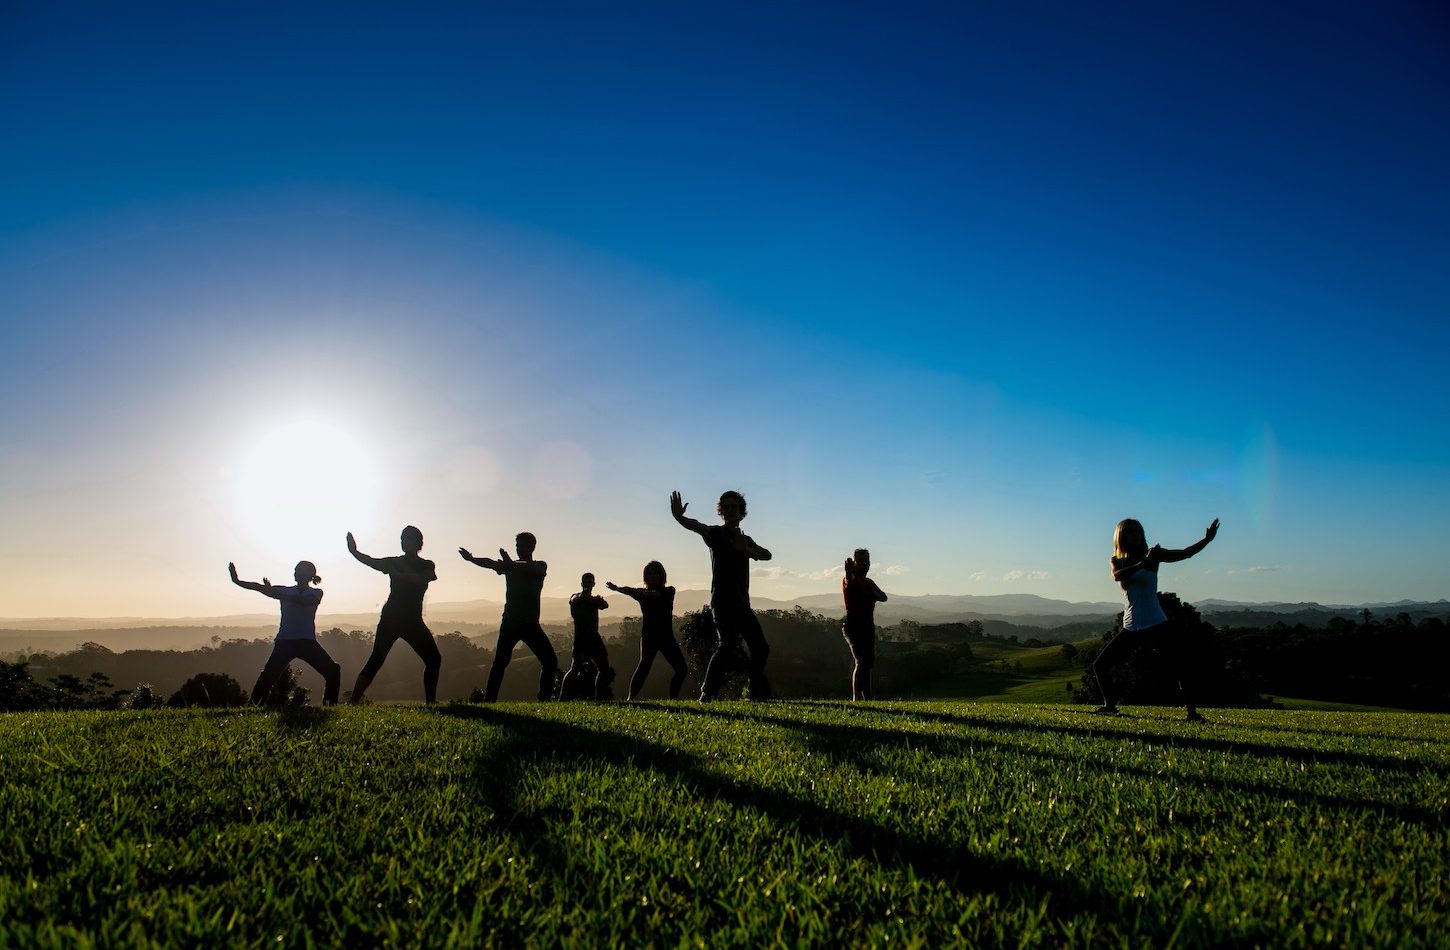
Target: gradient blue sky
{"x": 964, "y": 285}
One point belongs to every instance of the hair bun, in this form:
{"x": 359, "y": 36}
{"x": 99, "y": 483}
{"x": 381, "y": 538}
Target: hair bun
{"x": 317, "y": 578}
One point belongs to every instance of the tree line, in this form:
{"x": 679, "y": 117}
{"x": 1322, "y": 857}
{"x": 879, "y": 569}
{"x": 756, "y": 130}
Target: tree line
{"x": 1395, "y": 661}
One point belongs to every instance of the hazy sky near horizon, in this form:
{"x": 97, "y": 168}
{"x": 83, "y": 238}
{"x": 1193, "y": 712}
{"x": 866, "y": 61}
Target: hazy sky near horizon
{"x": 962, "y": 285}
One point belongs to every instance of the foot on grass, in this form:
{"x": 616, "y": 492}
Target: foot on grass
{"x": 1108, "y": 710}
{"x": 1194, "y": 716}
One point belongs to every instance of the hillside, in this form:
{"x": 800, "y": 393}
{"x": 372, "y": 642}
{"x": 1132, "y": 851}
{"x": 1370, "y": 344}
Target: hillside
{"x": 927, "y": 824}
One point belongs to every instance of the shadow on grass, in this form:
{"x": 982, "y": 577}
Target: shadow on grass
{"x": 860, "y": 746}
{"x": 1103, "y": 728}
{"x": 295, "y": 719}
{"x": 536, "y": 741}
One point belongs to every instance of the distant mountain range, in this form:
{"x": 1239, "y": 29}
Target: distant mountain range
{"x": 1020, "y": 609}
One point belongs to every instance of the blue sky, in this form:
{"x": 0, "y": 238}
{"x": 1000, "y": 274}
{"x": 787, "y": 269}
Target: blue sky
{"x": 963, "y": 285}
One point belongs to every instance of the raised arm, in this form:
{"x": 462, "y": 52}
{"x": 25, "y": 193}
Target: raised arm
{"x": 1123, "y": 567}
{"x": 263, "y": 588}
{"x": 677, "y": 508}
{"x": 372, "y": 562}
{"x": 1168, "y": 555}
{"x": 638, "y": 593}
{"x": 504, "y": 564}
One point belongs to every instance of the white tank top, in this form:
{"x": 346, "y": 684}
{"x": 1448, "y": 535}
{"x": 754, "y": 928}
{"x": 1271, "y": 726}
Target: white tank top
{"x": 1143, "y": 611}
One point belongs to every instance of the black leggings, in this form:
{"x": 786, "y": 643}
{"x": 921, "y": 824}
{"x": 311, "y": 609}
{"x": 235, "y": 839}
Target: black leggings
{"x": 308, "y": 651}
{"x": 662, "y": 644}
{"x": 734, "y": 624}
{"x": 415, "y": 633}
{"x": 510, "y": 634}
{"x": 1161, "y": 636}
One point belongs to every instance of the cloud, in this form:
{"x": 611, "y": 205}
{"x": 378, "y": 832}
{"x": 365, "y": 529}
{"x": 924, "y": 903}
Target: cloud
{"x": 780, "y": 573}
{"x": 895, "y": 570}
{"x": 1025, "y": 576}
{"x": 1257, "y": 569}
{"x": 977, "y": 576}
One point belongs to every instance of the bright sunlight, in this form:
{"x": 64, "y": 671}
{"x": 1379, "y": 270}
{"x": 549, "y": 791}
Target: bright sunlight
{"x": 301, "y": 486}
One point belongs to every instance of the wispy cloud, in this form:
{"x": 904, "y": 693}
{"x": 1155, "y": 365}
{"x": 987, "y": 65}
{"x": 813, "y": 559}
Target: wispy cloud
{"x": 895, "y": 570}
{"x": 782, "y": 573}
{"x": 1025, "y": 576}
{"x": 977, "y": 576}
{"x": 1257, "y": 569}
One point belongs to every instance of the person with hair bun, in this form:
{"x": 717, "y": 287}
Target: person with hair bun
{"x": 731, "y": 551}
{"x": 402, "y": 616}
{"x": 1135, "y": 567}
{"x": 297, "y": 633}
{"x": 657, "y": 632}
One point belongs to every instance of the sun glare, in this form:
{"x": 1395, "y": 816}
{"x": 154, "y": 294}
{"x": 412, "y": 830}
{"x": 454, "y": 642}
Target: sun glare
{"x": 302, "y": 485}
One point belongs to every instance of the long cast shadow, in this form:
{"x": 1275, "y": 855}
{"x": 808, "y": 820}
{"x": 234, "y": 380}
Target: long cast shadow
{"x": 952, "y": 864}
{"x": 1207, "y": 743}
{"x": 836, "y": 740}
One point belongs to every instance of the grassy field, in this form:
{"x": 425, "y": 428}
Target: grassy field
{"x": 783, "y": 823}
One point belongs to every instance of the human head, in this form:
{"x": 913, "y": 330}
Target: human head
{"x": 654, "y": 574}
{"x": 412, "y": 540}
{"x": 524, "y": 543}
{"x": 731, "y": 506}
{"x": 305, "y": 573}
{"x": 862, "y": 559}
{"x": 1129, "y": 539}
{"x": 586, "y": 581}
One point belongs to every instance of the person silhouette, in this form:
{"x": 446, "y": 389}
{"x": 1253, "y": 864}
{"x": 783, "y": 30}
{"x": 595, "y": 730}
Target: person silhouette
{"x": 859, "y": 625}
{"x": 657, "y": 631}
{"x": 589, "y": 648}
{"x": 523, "y": 588}
{"x": 296, "y": 634}
{"x": 731, "y": 552}
{"x": 1135, "y": 567}
{"x": 402, "y": 616}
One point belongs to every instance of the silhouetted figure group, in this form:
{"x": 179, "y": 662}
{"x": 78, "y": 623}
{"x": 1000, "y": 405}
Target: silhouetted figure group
{"x": 1134, "y": 567}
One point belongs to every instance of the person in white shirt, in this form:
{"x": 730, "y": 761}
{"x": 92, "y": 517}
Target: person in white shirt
{"x": 297, "y": 633}
{"x": 1135, "y": 568}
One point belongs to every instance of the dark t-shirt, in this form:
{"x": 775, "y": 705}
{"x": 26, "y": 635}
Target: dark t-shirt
{"x": 658, "y": 613}
{"x": 861, "y": 596}
{"x": 406, "y": 596}
{"x": 585, "y": 611}
{"x": 729, "y": 568}
{"x": 522, "y": 590}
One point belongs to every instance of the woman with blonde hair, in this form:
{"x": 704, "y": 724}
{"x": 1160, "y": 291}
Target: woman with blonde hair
{"x": 1135, "y": 568}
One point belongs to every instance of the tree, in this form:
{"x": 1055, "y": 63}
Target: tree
{"x": 209, "y": 689}
{"x": 19, "y": 691}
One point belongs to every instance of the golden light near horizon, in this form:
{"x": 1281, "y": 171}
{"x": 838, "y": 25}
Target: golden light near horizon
{"x": 302, "y": 483}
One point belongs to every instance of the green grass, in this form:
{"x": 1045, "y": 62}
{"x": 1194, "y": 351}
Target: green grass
{"x": 783, "y": 823}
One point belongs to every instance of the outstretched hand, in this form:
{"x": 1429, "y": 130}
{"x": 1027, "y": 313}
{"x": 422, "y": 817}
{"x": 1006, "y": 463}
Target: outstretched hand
{"x": 267, "y": 583}
{"x": 351, "y": 543}
{"x": 612, "y": 586}
{"x": 464, "y": 553}
{"x": 850, "y": 567}
{"x": 677, "y": 505}
{"x": 232, "y": 569}
{"x": 1212, "y": 531}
